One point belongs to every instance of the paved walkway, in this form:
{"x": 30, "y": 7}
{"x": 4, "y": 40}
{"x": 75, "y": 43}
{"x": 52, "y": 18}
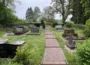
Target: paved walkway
{"x": 53, "y": 53}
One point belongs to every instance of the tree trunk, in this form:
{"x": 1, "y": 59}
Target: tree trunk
{"x": 3, "y": 2}
{"x": 63, "y": 13}
{"x": 63, "y": 20}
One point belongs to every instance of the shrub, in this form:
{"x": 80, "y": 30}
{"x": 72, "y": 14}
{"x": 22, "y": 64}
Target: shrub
{"x": 8, "y": 62}
{"x": 64, "y": 35}
{"x": 69, "y": 24}
{"x": 75, "y": 34}
{"x": 83, "y": 53}
{"x": 37, "y": 24}
{"x": 87, "y": 28}
{"x": 22, "y": 56}
{"x": 43, "y": 24}
{"x": 54, "y": 24}
{"x": 79, "y": 26}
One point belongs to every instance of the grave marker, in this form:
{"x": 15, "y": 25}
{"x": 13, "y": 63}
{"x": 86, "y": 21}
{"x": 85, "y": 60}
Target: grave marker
{"x": 71, "y": 43}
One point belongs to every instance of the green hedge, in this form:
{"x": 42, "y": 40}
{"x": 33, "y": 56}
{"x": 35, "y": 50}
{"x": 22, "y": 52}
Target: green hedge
{"x": 87, "y": 28}
{"x": 83, "y": 53}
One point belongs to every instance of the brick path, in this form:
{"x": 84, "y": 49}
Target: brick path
{"x": 53, "y": 53}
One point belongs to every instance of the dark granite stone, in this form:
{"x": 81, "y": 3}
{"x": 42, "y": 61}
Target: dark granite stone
{"x": 35, "y": 29}
{"x": 9, "y": 50}
{"x": 71, "y": 43}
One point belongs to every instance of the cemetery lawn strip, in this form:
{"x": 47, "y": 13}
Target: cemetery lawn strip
{"x": 70, "y": 57}
{"x": 34, "y": 43}
{"x": 1, "y": 33}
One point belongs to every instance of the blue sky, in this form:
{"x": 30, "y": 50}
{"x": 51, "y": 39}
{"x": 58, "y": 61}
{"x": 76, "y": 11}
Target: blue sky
{"x": 21, "y": 8}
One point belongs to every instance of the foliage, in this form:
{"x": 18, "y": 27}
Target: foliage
{"x": 75, "y": 34}
{"x": 87, "y": 28}
{"x": 22, "y": 56}
{"x": 48, "y": 13}
{"x": 64, "y": 35}
{"x": 32, "y": 15}
{"x": 62, "y": 6}
{"x": 7, "y": 15}
{"x": 78, "y": 12}
{"x": 9, "y": 3}
{"x": 8, "y": 62}
{"x": 36, "y": 13}
{"x": 37, "y": 24}
{"x": 83, "y": 53}
{"x": 79, "y": 26}
{"x": 54, "y": 24}
{"x": 43, "y": 24}
{"x": 29, "y": 15}
{"x": 86, "y": 5}
{"x": 69, "y": 24}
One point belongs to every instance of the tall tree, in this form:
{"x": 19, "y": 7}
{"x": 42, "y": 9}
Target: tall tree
{"x": 6, "y": 14}
{"x": 78, "y": 12}
{"x": 86, "y": 6}
{"x": 48, "y": 13}
{"x": 9, "y": 3}
{"x": 29, "y": 14}
{"x": 36, "y": 13}
{"x": 62, "y": 7}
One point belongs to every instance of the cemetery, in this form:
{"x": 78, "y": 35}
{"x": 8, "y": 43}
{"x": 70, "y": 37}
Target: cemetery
{"x": 44, "y": 32}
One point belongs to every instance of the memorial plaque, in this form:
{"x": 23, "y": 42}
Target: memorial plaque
{"x": 35, "y": 30}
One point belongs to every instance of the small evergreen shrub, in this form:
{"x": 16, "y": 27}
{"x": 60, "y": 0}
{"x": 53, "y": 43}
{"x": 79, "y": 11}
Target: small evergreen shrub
{"x": 69, "y": 24}
{"x": 37, "y": 24}
{"x": 87, "y": 29}
{"x": 83, "y": 53}
{"x": 79, "y": 26}
{"x": 64, "y": 35}
{"x": 43, "y": 24}
{"x": 75, "y": 34}
{"x": 8, "y": 62}
{"x": 22, "y": 56}
{"x": 54, "y": 24}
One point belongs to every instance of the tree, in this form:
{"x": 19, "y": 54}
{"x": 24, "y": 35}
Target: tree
{"x": 29, "y": 15}
{"x": 77, "y": 12}
{"x": 6, "y": 14}
{"x": 36, "y": 13}
{"x": 62, "y": 7}
{"x": 9, "y": 3}
{"x": 48, "y": 13}
{"x": 86, "y": 6}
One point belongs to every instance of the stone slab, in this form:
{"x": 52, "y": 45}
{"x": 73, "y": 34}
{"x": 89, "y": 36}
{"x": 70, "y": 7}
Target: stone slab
{"x": 50, "y": 37}
{"x": 48, "y": 33}
{"x": 18, "y": 43}
{"x": 3, "y": 41}
{"x": 53, "y": 56}
{"x": 52, "y": 43}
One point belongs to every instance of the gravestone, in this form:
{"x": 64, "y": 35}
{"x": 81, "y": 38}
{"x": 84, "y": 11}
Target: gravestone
{"x": 9, "y": 34}
{"x": 58, "y": 27}
{"x": 19, "y": 30}
{"x": 3, "y": 53}
{"x": 29, "y": 27}
{"x": 35, "y": 29}
{"x": 9, "y": 50}
{"x": 41, "y": 27}
{"x": 69, "y": 31}
{"x": 71, "y": 43}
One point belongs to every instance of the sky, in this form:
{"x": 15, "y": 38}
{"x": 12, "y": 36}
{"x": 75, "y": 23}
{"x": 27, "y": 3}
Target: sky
{"x": 25, "y": 4}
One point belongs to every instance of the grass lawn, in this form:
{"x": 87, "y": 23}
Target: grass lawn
{"x": 35, "y": 45}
